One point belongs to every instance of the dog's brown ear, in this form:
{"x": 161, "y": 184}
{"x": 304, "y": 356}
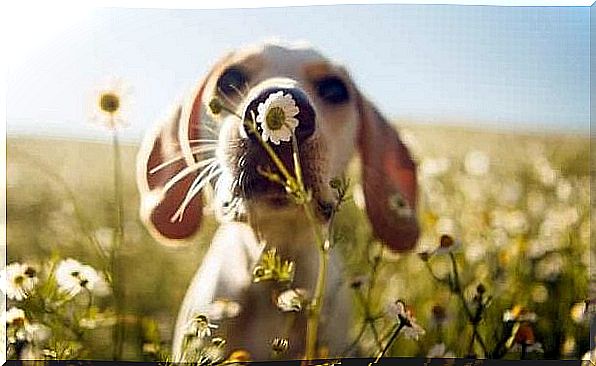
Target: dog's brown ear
{"x": 166, "y": 169}
{"x": 388, "y": 179}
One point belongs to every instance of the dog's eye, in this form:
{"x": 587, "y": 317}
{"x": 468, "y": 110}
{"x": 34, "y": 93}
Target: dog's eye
{"x": 232, "y": 81}
{"x": 333, "y": 90}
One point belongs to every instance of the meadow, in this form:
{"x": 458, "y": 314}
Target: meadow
{"x": 516, "y": 206}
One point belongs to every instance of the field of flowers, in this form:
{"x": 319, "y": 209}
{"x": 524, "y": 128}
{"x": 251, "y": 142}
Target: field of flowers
{"x": 501, "y": 269}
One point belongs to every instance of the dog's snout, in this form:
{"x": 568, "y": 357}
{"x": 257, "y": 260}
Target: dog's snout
{"x": 305, "y": 116}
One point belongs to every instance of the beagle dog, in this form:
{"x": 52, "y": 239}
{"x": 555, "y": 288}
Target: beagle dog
{"x": 199, "y": 145}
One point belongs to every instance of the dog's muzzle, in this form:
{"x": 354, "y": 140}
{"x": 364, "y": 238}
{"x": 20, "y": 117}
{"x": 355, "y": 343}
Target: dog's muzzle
{"x": 252, "y": 184}
{"x": 305, "y": 116}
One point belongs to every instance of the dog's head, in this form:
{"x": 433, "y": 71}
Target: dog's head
{"x": 202, "y": 144}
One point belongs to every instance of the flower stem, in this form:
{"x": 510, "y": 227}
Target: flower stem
{"x": 390, "y": 342}
{"x": 312, "y": 323}
{"x": 118, "y": 239}
{"x": 472, "y": 319}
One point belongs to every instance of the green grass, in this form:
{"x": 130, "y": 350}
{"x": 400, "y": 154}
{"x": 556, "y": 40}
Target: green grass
{"x": 507, "y": 259}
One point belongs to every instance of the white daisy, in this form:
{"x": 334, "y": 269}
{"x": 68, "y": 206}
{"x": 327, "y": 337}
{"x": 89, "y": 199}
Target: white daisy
{"x": 519, "y": 314}
{"x": 411, "y": 329}
{"x": 223, "y": 309}
{"x": 18, "y": 280}
{"x": 589, "y": 358}
{"x": 291, "y": 300}
{"x": 15, "y": 316}
{"x": 72, "y": 277}
{"x": 447, "y": 245}
{"x": 439, "y": 351}
{"x": 110, "y": 103}
{"x": 276, "y": 116}
{"x": 200, "y": 327}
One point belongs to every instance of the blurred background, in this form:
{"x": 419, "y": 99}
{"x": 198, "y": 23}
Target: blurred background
{"x": 492, "y": 101}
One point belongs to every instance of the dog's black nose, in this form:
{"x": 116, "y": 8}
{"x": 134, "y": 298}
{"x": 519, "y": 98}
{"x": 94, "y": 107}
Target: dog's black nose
{"x": 277, "y": 109}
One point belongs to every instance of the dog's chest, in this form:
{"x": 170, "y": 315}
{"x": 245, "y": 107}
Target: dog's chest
{"x": 262, "y": 326}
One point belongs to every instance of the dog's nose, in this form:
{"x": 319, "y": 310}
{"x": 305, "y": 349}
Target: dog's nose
{"x": 272, "y": 107}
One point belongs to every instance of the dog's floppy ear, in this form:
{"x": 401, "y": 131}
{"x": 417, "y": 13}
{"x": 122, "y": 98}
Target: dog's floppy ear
{"x": 388, "y": 179}
{"x": 166, "y": 169}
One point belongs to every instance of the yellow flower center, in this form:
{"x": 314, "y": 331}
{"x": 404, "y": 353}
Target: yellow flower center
{"x": 18, "y": 280}
{"x": 275, "y": 118}
{"x": 109, "y": 102}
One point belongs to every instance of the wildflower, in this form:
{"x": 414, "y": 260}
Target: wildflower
{"x": 280, "y": 345}
{"x": 213, "y": 353}
{"x": 447, "y": 245}
{"x": 411, "y": 329}
{"x": 223, "y": 309}
{"x": 276, "y": 116}
{"x": 272, "y": 268}
{"x": 477, "y": 163}
{"x": 519, "y": 314}
{"x": 439, "y": 351}
{"x": 589, "y": 358}
{"x": 579, "y": 312}
{"x": 200, "y": 327}
{"x": 110, "y": 103}
{"x": 73, "y": 277}
{"x": 291, "y": 300}
{"x": 15, "y": 317}
{"x": 18, "y": 280}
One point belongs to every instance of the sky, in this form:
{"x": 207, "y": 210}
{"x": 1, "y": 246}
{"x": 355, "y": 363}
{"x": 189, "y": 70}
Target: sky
{"x": 513, "y": 68}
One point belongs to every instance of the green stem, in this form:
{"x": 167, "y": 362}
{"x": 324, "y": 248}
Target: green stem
{"x": 118, "y": 239}
{"x": 458, "y": 290}
{"x": 312, "y": 323}
{"x": 390, "y": 342}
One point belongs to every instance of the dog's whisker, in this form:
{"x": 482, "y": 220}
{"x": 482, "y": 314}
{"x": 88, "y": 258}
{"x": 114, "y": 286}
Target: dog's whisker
{"x": 246, "y": 88}
{"x": 204, "y": 127}
{"x": 203, "y": 141}
{"x": 187, "y": 171}
{"x": 178, "y": 215}
{"x": 203, "y": 149}
{"x": 240, "y": 94}
{"x": 194, "y": 150}
{"x": 231, "y": 104}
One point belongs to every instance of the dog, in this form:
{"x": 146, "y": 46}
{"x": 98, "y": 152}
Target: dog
{"x": 199, "y": 144}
